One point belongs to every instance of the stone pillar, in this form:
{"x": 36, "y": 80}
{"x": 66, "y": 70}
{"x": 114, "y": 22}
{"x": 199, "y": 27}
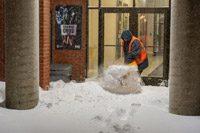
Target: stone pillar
{"x": 22, "y": 53}
{"x": 184, "y": 77}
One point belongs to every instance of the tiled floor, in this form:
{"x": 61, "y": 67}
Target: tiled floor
{"x": 154, "y": 66}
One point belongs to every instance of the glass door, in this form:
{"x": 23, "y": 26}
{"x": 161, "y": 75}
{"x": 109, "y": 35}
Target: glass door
{"x": 114, "y": 22}
{"x": 114, "y": 25}
{"x": 153, "y": 31}
{"x": 151, "y": 34}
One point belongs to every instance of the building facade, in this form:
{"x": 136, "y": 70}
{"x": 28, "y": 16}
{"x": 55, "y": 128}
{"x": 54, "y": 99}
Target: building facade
{"x": 86, "y": 34}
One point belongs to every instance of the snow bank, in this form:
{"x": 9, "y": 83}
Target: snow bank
{"x": 98, "y": 109}
{"x": 2, "y": 92}
{"x": 121, "y": 79}
{"x": 88, "y": 108}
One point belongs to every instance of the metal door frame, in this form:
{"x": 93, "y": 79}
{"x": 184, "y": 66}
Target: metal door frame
{"x": 166, "y": 12}
{"x": 133, "y": 24}
{"x": 134, "y": 11}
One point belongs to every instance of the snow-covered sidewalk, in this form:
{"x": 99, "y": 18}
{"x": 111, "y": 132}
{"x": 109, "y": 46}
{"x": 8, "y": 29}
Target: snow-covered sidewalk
{"x": 88, "y": 108}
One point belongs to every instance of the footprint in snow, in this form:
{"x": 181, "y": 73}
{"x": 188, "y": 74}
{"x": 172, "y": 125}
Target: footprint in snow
{"x": 134, "y": 107}
{"x": 121, "y": 113}
{"x": 100, "y": 120}
{"x": 78, "y": 98}
{"x": 127, "y": 128}
{"x": 49, "y": 105}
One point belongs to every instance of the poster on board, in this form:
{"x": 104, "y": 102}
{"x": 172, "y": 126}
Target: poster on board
{"x": 68, "y": 27}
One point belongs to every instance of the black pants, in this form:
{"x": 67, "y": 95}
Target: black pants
{"x": 143, "y": 65}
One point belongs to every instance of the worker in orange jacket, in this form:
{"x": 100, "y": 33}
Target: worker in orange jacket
{"x": 134, "y": 51}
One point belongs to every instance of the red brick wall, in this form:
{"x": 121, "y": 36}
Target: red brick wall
{"x": 75, "y": 57}
{"x": 44, "y": 43}
{"x": 2, "y": 44}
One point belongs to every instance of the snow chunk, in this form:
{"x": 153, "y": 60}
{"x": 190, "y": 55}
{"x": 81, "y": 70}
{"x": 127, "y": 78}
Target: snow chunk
{"x": 121, "y": 79}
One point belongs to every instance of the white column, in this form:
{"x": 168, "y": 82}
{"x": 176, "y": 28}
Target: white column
{"x": 22, "y": 53}
{"x": 185, "y": 58}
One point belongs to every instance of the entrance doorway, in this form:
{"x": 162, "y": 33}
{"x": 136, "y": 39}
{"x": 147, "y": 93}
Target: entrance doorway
{"x": 150, "y": 25}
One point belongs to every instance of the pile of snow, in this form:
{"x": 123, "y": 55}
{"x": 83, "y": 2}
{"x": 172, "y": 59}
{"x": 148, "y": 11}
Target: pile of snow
{"x": 121, "y": 79}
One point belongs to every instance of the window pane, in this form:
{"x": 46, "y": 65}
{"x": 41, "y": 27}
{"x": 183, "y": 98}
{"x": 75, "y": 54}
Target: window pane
{"x": 152, "y": 3}
{"x": 117, "y": 3}
{"x": 151, "y": 33}
{"x": 117, "y": 23}
{"x": 93, "y": 3}
{"x": 114, "y": 25}
{"x": 111, "y": 56}
{"x": 93, "y": 42}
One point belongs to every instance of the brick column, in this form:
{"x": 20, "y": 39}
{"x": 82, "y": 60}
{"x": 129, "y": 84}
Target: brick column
{"x": 184, "y": 58}
{"x": 22, "y": 53}
{"x": 2, "y": 44}
{"x": 44, "y": 43}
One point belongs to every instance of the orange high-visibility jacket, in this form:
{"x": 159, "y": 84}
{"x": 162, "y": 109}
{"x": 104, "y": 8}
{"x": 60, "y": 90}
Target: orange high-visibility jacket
{"x": 142, "y": 55}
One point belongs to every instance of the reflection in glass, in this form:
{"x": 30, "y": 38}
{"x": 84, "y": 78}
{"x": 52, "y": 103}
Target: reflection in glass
{"x": 152, "y": 3}
{"x": 110, "y": 53}
{"x": 93, "y": 3}
{"x": 93, "y": 43}
{"x": 151, "y": 33}
{"x": 117, "y": 3}
{"x": 114, "y": 25}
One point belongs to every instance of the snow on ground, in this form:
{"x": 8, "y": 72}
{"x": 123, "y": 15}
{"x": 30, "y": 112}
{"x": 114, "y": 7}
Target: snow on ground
{"x": 88, "y": 108}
